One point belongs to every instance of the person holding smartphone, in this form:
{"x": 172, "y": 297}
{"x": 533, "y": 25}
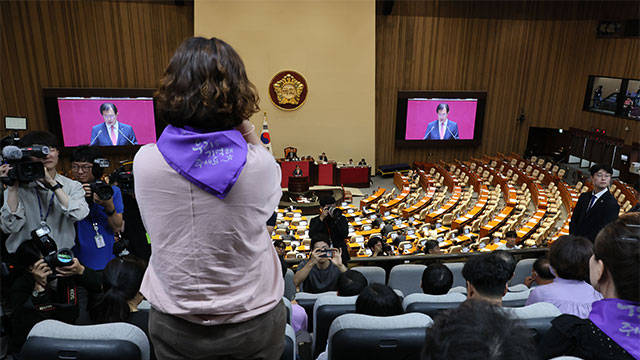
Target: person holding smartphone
{"x": 321, "y": 271}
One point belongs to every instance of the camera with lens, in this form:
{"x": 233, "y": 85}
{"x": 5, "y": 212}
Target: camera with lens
{"x": 124, "y": 179}
{"x": 22, "y": 168}
{"x": 49, "y": 250}
{"x": 326, "y": 253}
{"x": 99, "y": 187}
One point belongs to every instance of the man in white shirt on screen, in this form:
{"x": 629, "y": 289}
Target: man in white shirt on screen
{"x": 112, "y": 132}
{"x": 443, "y": 128}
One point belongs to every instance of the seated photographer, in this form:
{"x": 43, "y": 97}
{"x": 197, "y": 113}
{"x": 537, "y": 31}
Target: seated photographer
{"x": 321, "y": 271}
{"x": 48, "y": 290}
{"x": 95, "y": 233}
{"x": 332, "y": 223}
{"x": 50, "y": 204}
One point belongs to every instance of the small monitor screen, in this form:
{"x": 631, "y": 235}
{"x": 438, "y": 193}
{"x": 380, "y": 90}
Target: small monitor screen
{"x": 107, "y": 121}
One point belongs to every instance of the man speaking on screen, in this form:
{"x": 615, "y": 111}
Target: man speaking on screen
{"x": 443, "y": 128}
{"x": 111, "y": 131}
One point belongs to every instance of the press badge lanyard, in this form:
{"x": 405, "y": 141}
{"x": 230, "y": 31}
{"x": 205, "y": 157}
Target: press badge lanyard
{"x": 99, "y": 239}
{"x": 43, "y": 219}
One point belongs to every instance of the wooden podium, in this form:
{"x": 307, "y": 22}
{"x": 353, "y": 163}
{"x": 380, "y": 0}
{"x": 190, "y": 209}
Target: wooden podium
{"x": 298, "y": 184}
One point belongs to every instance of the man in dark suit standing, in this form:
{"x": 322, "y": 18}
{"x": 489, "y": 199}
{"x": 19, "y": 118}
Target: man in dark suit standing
{"x": 443, "y": 128}
{"x": 111, "y": 131}
{"x": 597, "y": 208}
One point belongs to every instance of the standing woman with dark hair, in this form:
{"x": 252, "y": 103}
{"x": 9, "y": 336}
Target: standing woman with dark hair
{"x": 612, "y": 329}
{"x": 205, "y": 192}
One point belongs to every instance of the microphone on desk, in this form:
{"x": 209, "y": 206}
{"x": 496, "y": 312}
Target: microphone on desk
{"x": 94, "y": 139}
{"x": 125, "y": 136}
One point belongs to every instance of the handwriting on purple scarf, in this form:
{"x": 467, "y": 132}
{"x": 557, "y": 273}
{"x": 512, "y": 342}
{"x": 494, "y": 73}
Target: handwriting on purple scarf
{"x": 213, "y": 153}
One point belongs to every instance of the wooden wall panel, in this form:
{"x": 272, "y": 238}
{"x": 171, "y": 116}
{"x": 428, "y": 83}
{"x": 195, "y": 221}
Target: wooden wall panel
{"x": 533, "y": 56}
{"x": 83, "y": 44}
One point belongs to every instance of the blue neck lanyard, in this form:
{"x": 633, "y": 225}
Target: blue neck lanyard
{"x": 43, "y": 219}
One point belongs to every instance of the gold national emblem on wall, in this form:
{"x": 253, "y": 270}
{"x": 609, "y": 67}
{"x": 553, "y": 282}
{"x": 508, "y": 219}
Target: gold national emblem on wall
{"x": 288, "y": 90}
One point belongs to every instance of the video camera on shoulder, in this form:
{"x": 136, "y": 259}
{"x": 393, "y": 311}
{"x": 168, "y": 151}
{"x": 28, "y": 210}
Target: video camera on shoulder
{"x": 49, "y": 250}
{"x": 123, "y": 177}
{"x": 22, "y": 168}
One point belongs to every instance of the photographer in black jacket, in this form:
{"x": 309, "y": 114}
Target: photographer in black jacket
{"x": 46, "y": 291}
{"x": 332, "y": 223}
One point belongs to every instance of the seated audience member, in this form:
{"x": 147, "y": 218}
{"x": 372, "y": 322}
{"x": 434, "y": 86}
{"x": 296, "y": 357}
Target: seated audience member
{"x": 437, "y": 279}
{"x": 375, "y": 300}
{"x": 362, "y": 162}
{"x": 287, "y": 235}
{"x": 432, "y": 247}
{"x": 478, "y": 330}
{"x": 540, "y": 273}
{"x": 95, "y": 233}
{"x": 121, "y": 296}
{"x": 510, "y": 237}
{"x": 45, "y": 293}
{"x": 351, "y": 283}
{"x": 611, "y": 331}
{"x": 280, "y": 250}
{"x": 508, "y": 259}
{"x": 377, "y": 246}
{"x": 320, "y": 272}
{"x": 569, "y": 259}
{"x": 378, "y": 300}
{"x": 487, "y": 276}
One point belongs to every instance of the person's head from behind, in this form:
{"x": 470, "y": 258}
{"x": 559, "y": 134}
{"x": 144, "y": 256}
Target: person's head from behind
{"x": 205, "y": 86}
{"x": 43, "y": 138}
{"x": 437, "y": 279}
{"x": 109, "y": 113}
{"x": 82, "y": 166}
{"x": 443, "y": 111}
{"x": 351, "y": 283}
{"x": 614, "y": 268}
{"x": 378, "y": 300}
{"x": 487, "y": 276}
{"x": 432, "y": 247}
{"x": 511, "y": 237}
{"x": 541, "y": 271}
{"x": 280, "y": 247}
{"x": 121, "y": 280}
{"x": 463, "y": 334}
{"x": 600, "y": 176}
{"x": 321, "y": 241}
{"x": 508, "y": 259}
{"x": 569, "y": 257}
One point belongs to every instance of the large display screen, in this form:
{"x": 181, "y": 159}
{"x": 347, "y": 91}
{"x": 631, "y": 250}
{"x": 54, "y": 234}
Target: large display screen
{"x": 118, "y": 120}
{"x": 427, "y": 118}
{"x": 107, "y": 121}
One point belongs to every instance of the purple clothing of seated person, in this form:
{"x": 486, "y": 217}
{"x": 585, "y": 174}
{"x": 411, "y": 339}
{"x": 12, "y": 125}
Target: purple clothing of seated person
{"x": 569, "y": 296}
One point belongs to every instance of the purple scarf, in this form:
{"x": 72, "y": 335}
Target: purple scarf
{"x": 620, "y": 320}
{"x": 210, "y": 160}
